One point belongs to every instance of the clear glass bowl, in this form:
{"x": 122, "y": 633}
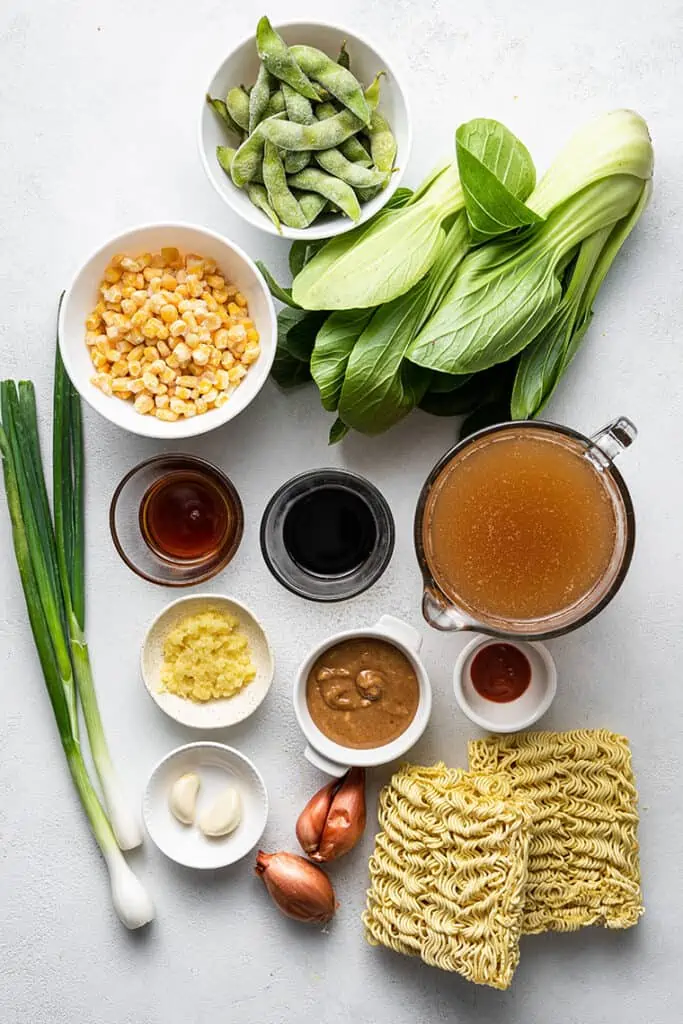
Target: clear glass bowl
{"x": 308, "y": 584}
{"x": 128, "y": 536}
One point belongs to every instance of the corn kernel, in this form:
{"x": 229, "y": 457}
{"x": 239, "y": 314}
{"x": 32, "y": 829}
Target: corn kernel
{"x": 177, "y": 404}
{"x": 221, "y": 296}
{"x": 173, "y": 361}
{"x": 201, "y": 354}
{"x": 130, "y": 264}
{"x": 212, "y": 322}
{"x": 113, "y": 332}
{"x": 161, "y": 401}
{"x": 182, "y": 292}
{"x": 191, "y": 339}
{"x": 221, "y": 400}
{"x": 99, "y": 361}
{"x": 136, "y": 385}
{"x": 251, "y": 354}
{"x": 185, "y": 382}
{"x": 215, "y": 357}
{"x": 139, "y": 319}
{"x": 156, "y": 366}
{"x": 162, "y": 332}
{"x": 164, "y": 350}
{"x": 93, "y": 322}
{"x": 119, "y": 368}
{"x": 215, "y": 281}
{"x": 221, "y": 339}
{"x": 227, "y": 360}
{"x": 204, "y": 387}
{"x": 252, "y": 335}
{"x": 150, "y": 273}
{"x": 211, "y": 396}
{"x": 143, "y": 404}
{"x": 123, "y": 395}
{"x": 194, "y": 285}
{"x": 155, "y": 285}
{"x": 151, "y": 352}
{"x": 151, "y": 382}
{"x": 169, "y": 282}
{"x": 236, "y": 374}
{"x": 128, "y": 307}
{"x": 167, "y": 375}
{"x": 103, "y": 382}
{"x": 167, "y": 415}
{"x": 168, "y": 312}
{"x": 201, "y": 405}
{"x": 182, "y": 393}
{"x": 190, "y": 411}
{"x": 177, "y": 328}
{"x": 113, "y": 275}
{"x": 222, "y": 380}
{"x": 139, "y": 297}
{"x": 123, "y": 347}
{"x": 117, "y": 259}
{"x": 170, "y": 254}
{"x": 139, "y": 281}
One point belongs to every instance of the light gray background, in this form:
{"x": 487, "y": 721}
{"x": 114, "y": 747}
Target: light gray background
{"x": 99, "y": 103}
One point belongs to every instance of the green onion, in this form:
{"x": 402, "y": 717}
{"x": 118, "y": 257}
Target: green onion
{"x": 50, "y": 563}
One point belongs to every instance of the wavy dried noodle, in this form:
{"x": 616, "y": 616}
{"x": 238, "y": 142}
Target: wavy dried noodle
{"x": 448, "y": 872}
{"x": 583, "y": 850}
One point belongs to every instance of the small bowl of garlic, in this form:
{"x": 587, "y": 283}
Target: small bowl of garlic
{"x": 205, "y": 805}
{"x": 168, "y": 330}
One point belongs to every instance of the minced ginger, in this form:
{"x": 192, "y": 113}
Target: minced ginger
{"x": 206, "y": 657}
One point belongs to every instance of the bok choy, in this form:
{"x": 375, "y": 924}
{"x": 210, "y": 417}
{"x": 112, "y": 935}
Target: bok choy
{"x": 50, "y": 559}
{"x": 506, "y": 293}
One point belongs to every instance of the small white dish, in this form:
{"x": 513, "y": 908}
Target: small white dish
{"x": 514, "y": 715}
{"x": 241, "y": 66}
{"x": 213, "y": 714}
{"x": 83, "y": 294}
{"x": 218, "y": 766}
{"x": 333, "y": 758}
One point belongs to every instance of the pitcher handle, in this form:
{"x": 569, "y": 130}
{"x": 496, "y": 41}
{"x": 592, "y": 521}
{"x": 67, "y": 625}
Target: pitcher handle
{"x": 399, "y": 630}
{"x": 611, "y": 441}
{"x": 324, "y": 763}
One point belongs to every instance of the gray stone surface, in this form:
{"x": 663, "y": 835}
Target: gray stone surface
{"x": 97, "y": 132}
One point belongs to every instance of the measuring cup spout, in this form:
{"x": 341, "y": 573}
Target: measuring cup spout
{"x": 440, "y": 615}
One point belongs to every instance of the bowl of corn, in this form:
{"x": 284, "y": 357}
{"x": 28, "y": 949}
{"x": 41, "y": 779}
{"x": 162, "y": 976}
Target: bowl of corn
{"x": 168, "y": 330}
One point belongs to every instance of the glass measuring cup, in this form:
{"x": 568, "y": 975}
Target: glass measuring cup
{"x": 446, "y": 609}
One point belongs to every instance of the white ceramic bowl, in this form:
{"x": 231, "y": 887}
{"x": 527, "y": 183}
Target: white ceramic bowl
{"x": 514, "y": 715}
{"x": 83, "y": 294}
{"x": 214, "y": 714}
{"x": 241, "y": 66}
{"x": 218, "y": 766}
{"x": 333, "y": 758}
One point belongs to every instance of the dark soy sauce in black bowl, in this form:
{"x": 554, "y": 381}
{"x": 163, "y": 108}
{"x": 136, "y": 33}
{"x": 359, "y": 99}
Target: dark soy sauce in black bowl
{"x": 330, "y": 531}
{"x": 327, "y": 534}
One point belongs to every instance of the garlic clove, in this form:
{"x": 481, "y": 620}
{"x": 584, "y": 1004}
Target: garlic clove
{"x": 182, "y": 799}
{"x": 224, "y": 814}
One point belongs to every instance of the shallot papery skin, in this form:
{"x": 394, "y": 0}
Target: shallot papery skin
{"x": 301, "y": 890}
{"x": 311, "y": 822}
{"x": 333, "y": 834}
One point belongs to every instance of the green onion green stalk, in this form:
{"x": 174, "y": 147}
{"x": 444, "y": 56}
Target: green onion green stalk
{"x": 50, "y": 558}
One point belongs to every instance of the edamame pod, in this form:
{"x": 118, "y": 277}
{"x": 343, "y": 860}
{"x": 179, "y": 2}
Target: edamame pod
{"x": 246, "y": 164}
{"x": 312, "y": 205}
{"x": 339, "y": 82}
{"x": 334, "y": 162}
{"x": 343, "y": 59}
{"x": 221, "y": 109}
{"x": 295, "y": 162}
{"x": 237, "y": 103}
{"x": 366, "y": 194}
{"x": 382, "y": 142}
{"x": 277, "y": 58}
{"x": 338, "y": 192}
{"x": 321, "y": 135}
{"x": 276, "y": 103}
{"x": 259, "y": 197}
{"x": 259, "y": 98}
{"x": 299, "y": 109}
{"x": 225, "y": 156}
{"x": 280, "y": 197}
{"x": 352, "y": 148}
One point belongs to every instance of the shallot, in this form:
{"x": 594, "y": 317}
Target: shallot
{"x": 333, "y": 820}
{"x": 300, "y": 889}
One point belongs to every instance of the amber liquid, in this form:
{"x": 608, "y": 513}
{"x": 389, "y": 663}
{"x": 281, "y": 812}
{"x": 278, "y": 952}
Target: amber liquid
{"x": 520, "y": 526}
{"x": 185, "y": 516}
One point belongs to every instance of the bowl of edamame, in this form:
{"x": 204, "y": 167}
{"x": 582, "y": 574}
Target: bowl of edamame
{"x": 305, "y": 130}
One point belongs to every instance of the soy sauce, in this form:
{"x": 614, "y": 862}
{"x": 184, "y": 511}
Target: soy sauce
{"x": 184, "y": 516}
{"x": 330, "y": 531}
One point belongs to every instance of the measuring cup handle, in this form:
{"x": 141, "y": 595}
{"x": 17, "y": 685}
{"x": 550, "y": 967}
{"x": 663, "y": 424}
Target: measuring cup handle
{"x": 611, "y": 441}
{"x": 399, "y": 630}
{"x": 324, "y": 763}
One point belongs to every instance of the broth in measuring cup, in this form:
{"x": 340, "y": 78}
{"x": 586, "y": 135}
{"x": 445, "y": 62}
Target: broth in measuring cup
{"x": 520, "y": 526}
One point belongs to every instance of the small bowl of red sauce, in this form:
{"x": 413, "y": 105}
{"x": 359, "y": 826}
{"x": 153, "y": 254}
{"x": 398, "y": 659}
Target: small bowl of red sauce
{"x": 504, "y": 686}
